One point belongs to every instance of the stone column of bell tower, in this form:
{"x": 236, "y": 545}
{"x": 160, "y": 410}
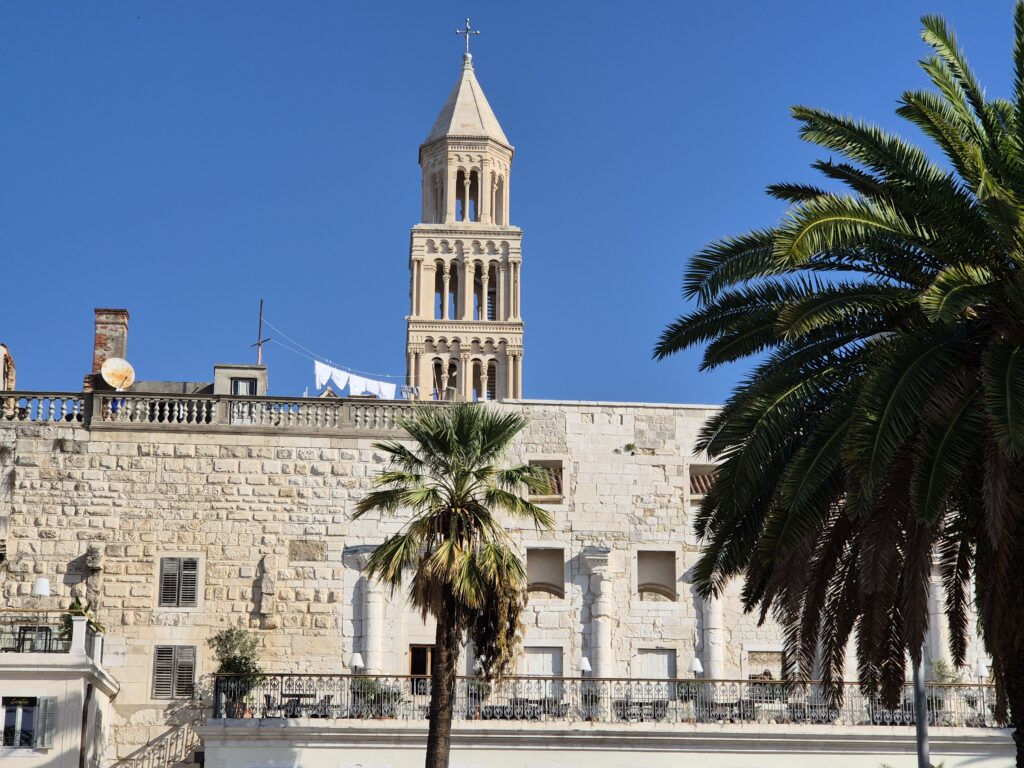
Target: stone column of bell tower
{"x": 465, "y": 336}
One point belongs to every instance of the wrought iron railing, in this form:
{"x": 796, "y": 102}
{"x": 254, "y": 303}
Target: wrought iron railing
{"x": 171, "y": 748}
{"x": 34, "y": 632}
{"x": 199, "y": 412}
{"x": 595, "y": 700}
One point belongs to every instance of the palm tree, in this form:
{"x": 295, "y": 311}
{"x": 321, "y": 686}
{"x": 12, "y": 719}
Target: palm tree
{"x": 882, "y": 429}
{"x": 465, "y": 571}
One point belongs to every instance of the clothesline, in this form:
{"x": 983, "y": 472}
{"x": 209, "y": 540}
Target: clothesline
{"x": 311, "y": 355}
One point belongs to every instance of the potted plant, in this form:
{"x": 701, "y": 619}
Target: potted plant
{"x": 477, "y": 690}
{"x": 372, "y": 697}
{"x": 942, "y": 672}
{"x": 236, "y": 652}
{"x": 77, "y": 608}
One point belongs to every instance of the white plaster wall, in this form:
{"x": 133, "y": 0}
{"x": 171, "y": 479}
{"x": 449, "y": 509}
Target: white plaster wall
{"x": 70, "y": 694}
{"x": 589, "y": 746}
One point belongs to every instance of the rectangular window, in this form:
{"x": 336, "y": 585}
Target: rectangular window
{"x": 179, "y": 582}
{"x": 545, "y": 572}
{"x": 420, "y": 659}
{"x": 243, "y": 387}
{"x": 29, "y": 722}
{"x": 701, "y": 479}
{"x": 540, "y": 661}
{"x": 657, "y": 663}
{"x": 656, "y": 576}
{"x": 174, "y": 671}
{"x": 554, "y": 472}
{"x": 765, "y": 665}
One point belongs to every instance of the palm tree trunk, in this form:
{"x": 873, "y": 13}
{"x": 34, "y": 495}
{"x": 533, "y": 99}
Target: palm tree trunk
{"x": 1014, "y": 677}
{"x": 442, "y": 687}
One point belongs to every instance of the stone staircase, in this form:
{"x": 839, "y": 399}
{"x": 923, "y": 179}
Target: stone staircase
{"x": 179, "y": 747}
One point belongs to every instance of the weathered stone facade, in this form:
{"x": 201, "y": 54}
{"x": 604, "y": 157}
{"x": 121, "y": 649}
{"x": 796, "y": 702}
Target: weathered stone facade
{"x": 268, "y": 516}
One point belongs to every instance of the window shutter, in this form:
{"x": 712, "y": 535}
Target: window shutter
{"x": 46, "y": 723}
{"x": 170, "y": 572}
{"x": 184, "y": 671}
{"x": 163, "y": 672}
{"x": 556, "y": 479}
{"x": 189, "y": 582}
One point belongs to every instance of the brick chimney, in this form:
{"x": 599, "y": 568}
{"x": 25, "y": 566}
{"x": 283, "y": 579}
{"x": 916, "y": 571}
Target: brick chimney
{"x": 111, "y": 337}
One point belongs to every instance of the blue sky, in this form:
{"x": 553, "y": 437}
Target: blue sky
{"x": 185, "y": 159}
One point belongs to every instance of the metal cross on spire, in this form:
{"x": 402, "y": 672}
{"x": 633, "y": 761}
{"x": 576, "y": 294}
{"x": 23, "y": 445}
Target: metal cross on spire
{"x": 467, "y": 32}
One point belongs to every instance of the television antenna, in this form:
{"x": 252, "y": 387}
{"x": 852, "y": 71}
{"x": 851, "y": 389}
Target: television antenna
{"x": 260, "y": 341}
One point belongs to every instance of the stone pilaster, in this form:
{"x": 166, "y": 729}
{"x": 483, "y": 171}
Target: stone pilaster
{"x": 602, "y": 611}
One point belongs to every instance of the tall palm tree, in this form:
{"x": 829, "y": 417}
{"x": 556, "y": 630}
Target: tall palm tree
{"x": 882, "y": 429}
{"x": 465, "y": 571}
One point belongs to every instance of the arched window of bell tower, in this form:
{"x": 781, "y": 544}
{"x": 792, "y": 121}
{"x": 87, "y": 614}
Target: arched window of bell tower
{"x": 453, "y": 381}
{"x": 492, "y": 380}
{"x": 460, "y": 196}
{"x": 478, "y": 295}
{"x": 477, "y": 393}
{"x": 467, "y": 195}
{"x": 492, "y": 291}
{"x": 499, "y": 201}
{"x": 436, "y": 372}
{"x": 435, "y": 199}
{"x": 452, "y": 299}
{"x": 474, "y": 196}
{"x": 439, "y": 289}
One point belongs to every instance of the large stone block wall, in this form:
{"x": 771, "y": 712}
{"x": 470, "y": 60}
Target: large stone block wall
{"x": 268, "y": 516}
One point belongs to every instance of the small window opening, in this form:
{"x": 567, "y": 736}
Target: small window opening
{"x": 243, "y": 387}
{"x": 701, "y": 479}
{"x": 656, "y": 576}
{"x": 765, "y": 665}
{"x": 545, "y": 572}
{"x": 421, "y": 660}
{"x": 554, "y": 473}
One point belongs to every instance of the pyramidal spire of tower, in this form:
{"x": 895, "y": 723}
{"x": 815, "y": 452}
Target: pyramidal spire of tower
{"x": 466, "y": 112}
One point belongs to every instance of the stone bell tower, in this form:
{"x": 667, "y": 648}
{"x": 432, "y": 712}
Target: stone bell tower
{"x": 465, "y": 333}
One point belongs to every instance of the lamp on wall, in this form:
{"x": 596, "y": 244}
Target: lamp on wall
{"x": 981, "y": 670}
{"x": 584, "y": 665}
{"x": 356, "y": 662}
{"x": 696, "y": 667}
{"x": 41, "y": 587}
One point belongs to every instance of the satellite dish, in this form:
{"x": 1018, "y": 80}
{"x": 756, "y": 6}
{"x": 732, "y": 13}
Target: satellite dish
{"x": 117, "y": 373}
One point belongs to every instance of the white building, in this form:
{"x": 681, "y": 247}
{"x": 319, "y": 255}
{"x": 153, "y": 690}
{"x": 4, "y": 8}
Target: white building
{"x": 180, "y": 509}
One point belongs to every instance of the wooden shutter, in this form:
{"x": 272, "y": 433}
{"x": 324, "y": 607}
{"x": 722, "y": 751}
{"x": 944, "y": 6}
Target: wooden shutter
{"x": 184, "y": 671}
{"x": 46, "y": 722}
{"x": 170, "y": 580}
{"x": 163, "y": 672}
{"x": 556, "y": 478}
{"x": 189, "y": 582}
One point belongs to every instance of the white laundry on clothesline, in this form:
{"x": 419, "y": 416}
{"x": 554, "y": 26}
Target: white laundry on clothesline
{"x": 358, "y": 385}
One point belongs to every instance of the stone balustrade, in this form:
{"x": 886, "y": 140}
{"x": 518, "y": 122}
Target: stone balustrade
{"x": 608, "y": 700}
{"x": 47, "y": 407}
{"x": 130, "y": 410}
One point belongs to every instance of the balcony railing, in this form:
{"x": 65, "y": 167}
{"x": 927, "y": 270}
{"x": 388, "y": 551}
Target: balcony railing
{"x": 34, "y": 632}
{"x": 204, "y": 412}
{"x": 27, "y": 631}
{"x": 622, "y": 701}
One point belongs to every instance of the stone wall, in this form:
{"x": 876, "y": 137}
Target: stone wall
{"x": 268, "y": 516}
